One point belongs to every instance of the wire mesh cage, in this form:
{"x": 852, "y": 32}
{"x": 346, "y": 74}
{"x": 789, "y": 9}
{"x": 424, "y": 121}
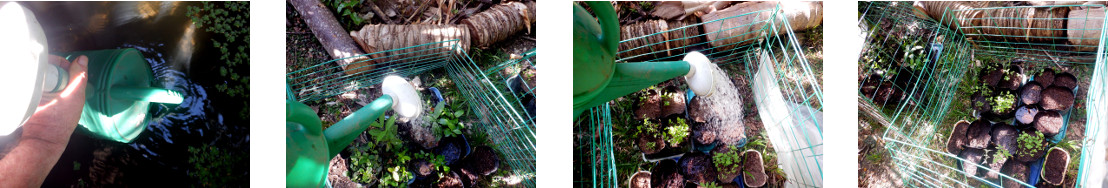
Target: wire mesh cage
{"x": 758, "y": 45}
{"x": 499, "y": 113}
{"x": 919, "y": 67}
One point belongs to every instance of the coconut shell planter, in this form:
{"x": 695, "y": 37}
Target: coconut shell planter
{"x": 754, "y": 172}
{"x": 1016, "y": 126}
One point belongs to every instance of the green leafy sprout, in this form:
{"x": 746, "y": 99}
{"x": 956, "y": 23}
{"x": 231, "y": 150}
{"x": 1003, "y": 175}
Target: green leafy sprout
{"x": 677, "y": 131}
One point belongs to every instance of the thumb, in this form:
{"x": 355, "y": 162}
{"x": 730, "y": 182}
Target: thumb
{"x": 78, "y": 73}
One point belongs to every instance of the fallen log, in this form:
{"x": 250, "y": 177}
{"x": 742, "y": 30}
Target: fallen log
{"x": 500, "y": 22}
{"x": 333, "y": 37}
{"x": 665, "y": 43}
{"x": 744, "y": 22}
{"x": 1079, "y": 26}
{"x": 389, "y": 44}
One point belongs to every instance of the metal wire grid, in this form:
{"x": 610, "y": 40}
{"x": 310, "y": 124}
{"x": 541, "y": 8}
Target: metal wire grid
{"x": 795, "y": 81}
{"x": 514, "y": 66}
{"x": 511, "y": 132}
{"x": 508, "y": 126}
{"x": 593, "y": 142}
{"x": 327, "y": 79}
{"x": 909, "y": 139}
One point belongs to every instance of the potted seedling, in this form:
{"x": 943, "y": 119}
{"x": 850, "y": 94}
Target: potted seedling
{"x": 978, "y": 134}
{"x": 991, "y": 75}
{"x": 1045, "y": 78}
{"x": 1031, "y": 93}
{"x": 980, "y": 100}
{"x": 483, "y": 161}
{"x": 1030, "y": 145}
{"x": 1049, "y": 122}
{"x": 1025, "y": 116}
{"x": 1055, "y": 166}
{"x": 427, "y": 164}
{"x": 697, "y": 167}
{"x": 1057, "y": 98}
{"x": 665, "y": 174}
{"x": 673, "y": 101}
{"x": 1013, "y": 76}
{"x": 676, "y": 132}
{"x": 957, "y": 137}
{"x": 1003, "y": 105}
{"x": 1065, "y": 80}
{"x": 754, "y": 172}
{"x": 972, "y": 157}
{"x": 995, "y": 159}
{"x": 640, "y": 179}
{"x": 649, "y": 139}
{"x": 727, "y": 161}
{"x": 469, "y": 178}
{"x": 450, "y": 179}
{"x": 1017, "y": 170}
{"x": 649, "y": 105}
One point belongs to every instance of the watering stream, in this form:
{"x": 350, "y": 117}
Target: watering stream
{"x": 183, "y": 60}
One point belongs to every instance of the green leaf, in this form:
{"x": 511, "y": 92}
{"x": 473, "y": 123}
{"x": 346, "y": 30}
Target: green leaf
{"x": 456, "y": 131}
{"x": 459, "y": 113}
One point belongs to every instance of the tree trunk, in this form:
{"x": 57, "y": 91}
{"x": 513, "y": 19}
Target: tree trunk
{"x": 391, "y": 44}
{"x": 333, "y": 37}
{"x": 664, "y": 44}
{"x": 744, "y": 22}
{"x": 500, "y": 22}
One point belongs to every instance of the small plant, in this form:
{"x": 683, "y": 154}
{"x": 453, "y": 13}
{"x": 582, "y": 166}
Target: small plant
{"x": 1003, "y": 102}
{"x": 874, "y": 157}
{"x": 677, "y": 131}
{"x": 363, "y": 166}
{"x": 711, "y": 185}
{"x": 446, "y": 122}
{"x": 385, "y": 133}
{"x": 213, "y": 167}
{"x": 1001, "y": 155}
{"x": 437, "y": 161}
{"x": 229, "y": 22}
{"x": 1031, "y": 142}
{"x": 397, "y": 176}
{"x": 346, "y": 11}
{"x": 728, "y": 162}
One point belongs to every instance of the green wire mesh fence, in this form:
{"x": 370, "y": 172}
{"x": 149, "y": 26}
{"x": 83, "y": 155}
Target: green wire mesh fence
{"x": 916, "y": 71}
{"x": 597, "y": 167}
{"x": 766, "y": 52}
{"x": 498, "y": 112}
{"x": 507, "y": 124}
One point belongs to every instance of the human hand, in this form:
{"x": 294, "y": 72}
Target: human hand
{"x": 46, "y": 133}
{"x": 58, "y": 112}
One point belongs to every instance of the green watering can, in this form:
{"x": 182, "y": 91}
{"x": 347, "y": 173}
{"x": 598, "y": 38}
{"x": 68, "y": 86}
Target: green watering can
{"x": 309, "y": 148}
{"x": 597, "y": 78}
{"x": 119, "y": 90}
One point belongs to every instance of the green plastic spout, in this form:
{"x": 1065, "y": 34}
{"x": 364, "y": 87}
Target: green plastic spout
{"x": 597, "y": 78}
{"x": 343, "y": 132}
{"x": 147, "y": 94}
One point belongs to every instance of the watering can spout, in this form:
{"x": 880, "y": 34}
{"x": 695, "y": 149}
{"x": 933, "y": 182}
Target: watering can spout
{"x": 398, "y": 95}
{"x": 147, "y": 94}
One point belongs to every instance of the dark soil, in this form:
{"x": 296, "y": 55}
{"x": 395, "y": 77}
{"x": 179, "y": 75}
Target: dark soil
{"x": 1048, "y": 122}
{"x": 647, "y": 148}
{"x": 640, "y": 180}
{"x": 1028, "y": 156}
{"x": 957, "y": 139}
{"x": 666, "y": 175}
{"x": 418, "y": 132}
{"x": 452, "y": 149}
{"x": 469, "y": 179}
{"x": 1066, "y": 80}
{"x": 483, "y": 161}
{"x": 1017, "y": 170}
{"x": 1031, "y": 93}
{"x": 980, "y": 102}
{"x": 1046, "y": 78}
{"x": 1054, "y": 168}
{"x": 992, "y": 76}
{"x": 978, "y": 134}
{"x": 649, "y": 106}
{"x": 422, "y": 168}
{"x": 1011, "y": 80}
{"x": 973, "y": 156}
{"x": 450, "y": 180}
{"x": 882, "y": 93}
{"x": 1025, "y": 115}
{"x": 1057, "y": 98}
{"x": 702, "y": 135}
{"x": 754, "y": 173}
{"x": 697, "y": 167}
{"x": 674, "y": 103}
{"x": 1004, "y": 137}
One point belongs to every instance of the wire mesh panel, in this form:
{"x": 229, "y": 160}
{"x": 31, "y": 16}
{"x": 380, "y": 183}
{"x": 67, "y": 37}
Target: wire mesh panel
{"x": 515, "y": 77}
{"x": 594, "y": 156}
{"x": 327, "y": 79}
{"x": 788, "y": 97}
{"x": 916, "y": 63}
{"x": 507, "y": 124}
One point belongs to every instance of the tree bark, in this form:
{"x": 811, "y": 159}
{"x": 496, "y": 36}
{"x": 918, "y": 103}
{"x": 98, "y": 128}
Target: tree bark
{"x": 334, "y": 38}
